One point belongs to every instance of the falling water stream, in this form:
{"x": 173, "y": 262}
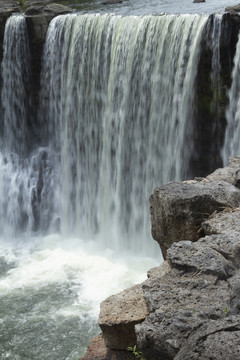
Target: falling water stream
{"x": 116, "y": 104}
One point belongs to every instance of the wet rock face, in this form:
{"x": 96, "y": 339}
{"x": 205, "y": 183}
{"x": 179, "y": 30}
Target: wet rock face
{"x": 178, "y": 209}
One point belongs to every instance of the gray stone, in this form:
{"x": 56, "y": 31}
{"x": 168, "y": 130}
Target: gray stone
{"x": 200, "y": 257}
{"x": 234, "y": 284}
{"x": 52, "y": 9}
{"x": 34, "y": 10}
{"x": 226, "y": 222}
{"x": 159, "y": 271}
{"x": 57, "y": 9}
{"x": 118, "y": 316}
{"x": 97, "y": 350}
{"x": 229, "y": 173}
{"x": 178, "y": 209}
{"x": 215, "y": 340}
{"x": 179, "y": 303}
{"x": 235, "y": 8}
{"x": 37, "y": 26}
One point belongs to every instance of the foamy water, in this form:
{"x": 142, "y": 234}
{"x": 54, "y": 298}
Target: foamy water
{"x": 51, "y": 289}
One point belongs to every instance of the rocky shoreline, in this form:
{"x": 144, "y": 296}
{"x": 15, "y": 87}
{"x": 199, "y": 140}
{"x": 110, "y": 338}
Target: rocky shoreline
{"x": 189, "y": 307}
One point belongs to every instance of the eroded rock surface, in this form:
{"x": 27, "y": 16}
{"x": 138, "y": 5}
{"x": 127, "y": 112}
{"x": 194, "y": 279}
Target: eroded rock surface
{"x": 118, "y": 316}
{"x": 189, "y": 307}
{"x": 230, "y": 173}
{"x": 52, "y": 9}
{"x": 235, "y": 8}
{"x": 214, "y": 340}
{"x": 195, "y": 307}
{"x": 178, "y": 209}
{"x": 97, "y": 350}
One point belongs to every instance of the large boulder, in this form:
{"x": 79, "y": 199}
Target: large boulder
{"x": 180, "y": 302}
{"x": 118, "y": 316}
{"x": 195, "y": 307}
{"x": 189, "y": 307}
{"x": 225, "y": 223}
{"x": 10, "y": 5}
{"x": 51, "y": 10}
{"x": 178, "y": 209}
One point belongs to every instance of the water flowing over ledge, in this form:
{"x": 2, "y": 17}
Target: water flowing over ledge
{"x": 118, "y": 113}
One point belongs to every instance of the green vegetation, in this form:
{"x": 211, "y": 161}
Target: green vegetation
{"x": 135, "y": 352}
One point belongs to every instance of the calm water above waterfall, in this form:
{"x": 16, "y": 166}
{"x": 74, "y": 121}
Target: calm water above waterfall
{"x": 144, "y": 7}
{"x": 116, "y": 111}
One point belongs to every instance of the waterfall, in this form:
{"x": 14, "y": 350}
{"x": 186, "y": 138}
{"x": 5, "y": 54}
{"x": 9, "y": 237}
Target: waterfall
{"x": 117, "y": 102}
{"x": 232, "y": 135}
{"x": 26, "y": 180}
{"x": 216, "y": 68}
{"x": 116, "y": 113}
{"x": 15, "y": 86}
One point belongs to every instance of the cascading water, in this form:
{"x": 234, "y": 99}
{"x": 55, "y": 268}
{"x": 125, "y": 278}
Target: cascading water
{"x": 232, "y": 135}
{"x": 15, "y": 81}
{"x": 26, "y": 183}
{"x": 216, "y": 67}
{"x": 116, "y": 109}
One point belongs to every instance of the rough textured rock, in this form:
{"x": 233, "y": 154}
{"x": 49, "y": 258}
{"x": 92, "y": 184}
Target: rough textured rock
{"x": 200, "y": 257}
{"x": 178, "y": 209}
{"x": 38, "y": 2}
{"x": 179, "y": 303}
{"x": 97, "y": 350}
{"x": 195, "y": 307}
{"x": 52, "y": 9}
{"x": 230, "y": 173}
{"x": 118, "y": 316}
{"x": 235, "y": 8}
{"x": 225, "y": 223}
{"x": 159, "y": 271}
{"x": 214, "y": 341}
{"x": 191, "y": 307}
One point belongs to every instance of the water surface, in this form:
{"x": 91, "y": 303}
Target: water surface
{"x": 144, "y": 7}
